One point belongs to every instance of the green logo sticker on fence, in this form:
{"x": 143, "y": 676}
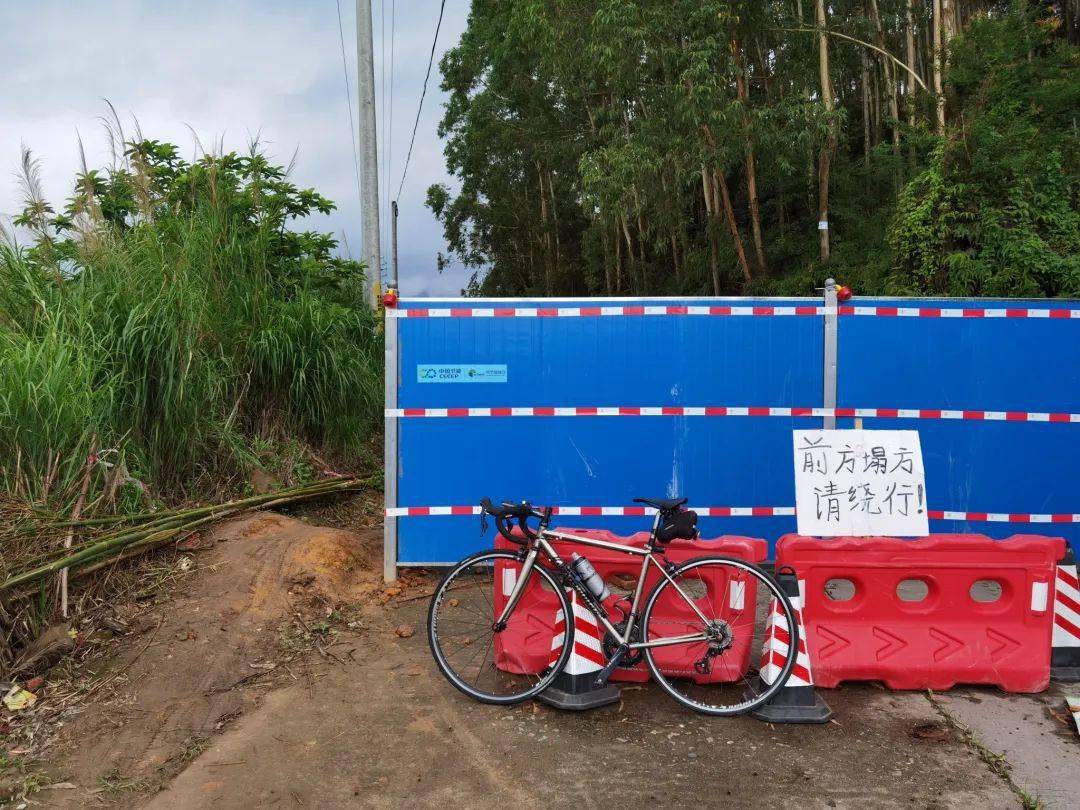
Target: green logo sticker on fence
{"x": 461, "y": 374}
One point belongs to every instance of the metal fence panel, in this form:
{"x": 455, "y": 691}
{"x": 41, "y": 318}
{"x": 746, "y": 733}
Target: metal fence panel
{"x": 664, "y": 360}
{"x": 998, "y": 361}
{"x": 980, "y": 364}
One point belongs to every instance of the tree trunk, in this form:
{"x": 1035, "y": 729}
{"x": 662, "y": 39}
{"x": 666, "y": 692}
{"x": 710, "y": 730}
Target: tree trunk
{"x": 618, "y": 261}
{"x": 825, "y": 159}
{"x": 711, "y": 223}
{"x": 889, "y": 75}
{"x": 675, "y": 256}
{"x": 865, "y": 60}
{"x": 937, "y": 59}
{"x": 555, "y": 221}
{"x": 751, "y": 171}
{"x": 909, "y": 41}
{"x": 714, "y": 260}
{"x": 720, "y": 184}
{"x": 875, "y": 107}
{"x": 629, "y": 245}
{"x": 606, "y": 242}
{"x": 546, "y": 237}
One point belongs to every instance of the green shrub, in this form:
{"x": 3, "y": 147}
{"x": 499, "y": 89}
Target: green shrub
{"x": 171, "y": 319}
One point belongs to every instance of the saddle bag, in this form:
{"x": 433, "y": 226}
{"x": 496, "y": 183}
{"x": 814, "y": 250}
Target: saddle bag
{"x": 681, "y": 525}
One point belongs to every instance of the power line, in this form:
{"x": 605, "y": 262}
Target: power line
{"x": 390, "y": 120}
{"x": 416, "y": 123}
{"x": 348, "y": 100}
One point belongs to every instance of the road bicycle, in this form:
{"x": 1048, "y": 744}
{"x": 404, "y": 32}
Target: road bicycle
{"x": 717, "y": 633}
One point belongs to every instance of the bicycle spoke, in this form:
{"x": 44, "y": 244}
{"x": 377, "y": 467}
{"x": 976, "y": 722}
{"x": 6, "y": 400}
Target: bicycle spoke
{"x": 466, "y": 645}
{"x": 720, "y": 675}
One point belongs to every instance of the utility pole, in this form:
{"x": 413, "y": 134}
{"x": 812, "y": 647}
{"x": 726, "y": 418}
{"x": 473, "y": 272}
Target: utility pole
{"x": 369, "y": 150}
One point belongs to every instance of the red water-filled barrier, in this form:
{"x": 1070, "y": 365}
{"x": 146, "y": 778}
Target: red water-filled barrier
{"x": 927, "y": 613}
{"x": 525, "y": 646}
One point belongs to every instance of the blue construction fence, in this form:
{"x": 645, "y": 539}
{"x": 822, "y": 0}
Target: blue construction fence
{"x": 1011, "y": 368}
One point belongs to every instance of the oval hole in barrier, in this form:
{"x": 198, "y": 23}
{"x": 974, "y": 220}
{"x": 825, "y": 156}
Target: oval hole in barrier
{"x": 693, "y": 587}
{"x": 622, "y": 584}
{"x": 985, "y": 591}
{"x": 912, "y": 590}
{"x": 840, "y": 590}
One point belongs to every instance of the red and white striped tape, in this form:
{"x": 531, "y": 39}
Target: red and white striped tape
{"x": 942, "y": 312}
{"x": 726, "y": 410}
{"x": 1066, "y": 608}
{"x": 731, "y": 311}
{"x": 603, "y": 312}
{"x": 732, "y": 511}
{"x": 777, "y": 643}
{"x": 588, "y": 655}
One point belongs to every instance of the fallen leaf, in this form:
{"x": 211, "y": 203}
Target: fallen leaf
{"x": 60, "y": 786}
{"x": 18, "y": 699}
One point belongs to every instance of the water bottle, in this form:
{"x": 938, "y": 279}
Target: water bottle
{"x": 593, "y": 581}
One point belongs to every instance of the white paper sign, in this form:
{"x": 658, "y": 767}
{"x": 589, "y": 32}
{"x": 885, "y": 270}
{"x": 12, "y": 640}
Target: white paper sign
{"x": 860, "y": 483}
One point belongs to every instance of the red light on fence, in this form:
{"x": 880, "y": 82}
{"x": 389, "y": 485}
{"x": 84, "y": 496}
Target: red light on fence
{"x": 389, "y": 299}
{"x": 843, "y": 293}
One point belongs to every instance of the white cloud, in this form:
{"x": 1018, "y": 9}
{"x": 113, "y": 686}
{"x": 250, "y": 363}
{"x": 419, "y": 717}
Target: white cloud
{"x": 227, "y": 69}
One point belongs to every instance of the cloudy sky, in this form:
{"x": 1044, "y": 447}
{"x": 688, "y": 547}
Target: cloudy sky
{"x": 232, "y": 70}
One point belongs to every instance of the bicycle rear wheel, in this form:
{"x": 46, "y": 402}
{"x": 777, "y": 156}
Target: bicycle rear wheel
{"x": 484, "y": 663}
{"x": 741, "y": 631}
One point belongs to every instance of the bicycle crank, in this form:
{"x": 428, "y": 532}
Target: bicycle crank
{"x": 631, "y": 658}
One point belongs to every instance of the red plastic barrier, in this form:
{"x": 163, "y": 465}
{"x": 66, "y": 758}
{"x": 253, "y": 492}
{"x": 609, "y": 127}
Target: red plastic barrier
{"x": 957, "y": 632}
{"x": 525, "y": 647}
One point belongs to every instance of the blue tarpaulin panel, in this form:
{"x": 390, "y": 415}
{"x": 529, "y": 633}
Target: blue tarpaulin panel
{"x": 986, "y": 364}
{"x": 601, "y": 460}
{"x": 982, "y": 364}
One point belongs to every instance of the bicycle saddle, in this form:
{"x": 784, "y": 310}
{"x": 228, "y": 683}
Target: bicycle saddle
{"x": 662, "y": 504}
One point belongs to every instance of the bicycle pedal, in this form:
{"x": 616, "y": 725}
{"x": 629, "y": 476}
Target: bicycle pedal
{"x": 616, "y": 657}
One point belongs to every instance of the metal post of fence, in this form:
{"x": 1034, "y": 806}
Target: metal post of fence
{"x": 390, "y": 451}
{"x": 829, "y": 370}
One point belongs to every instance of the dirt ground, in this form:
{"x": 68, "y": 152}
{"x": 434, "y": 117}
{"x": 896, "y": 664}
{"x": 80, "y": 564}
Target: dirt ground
{"x": 283, "y": 674}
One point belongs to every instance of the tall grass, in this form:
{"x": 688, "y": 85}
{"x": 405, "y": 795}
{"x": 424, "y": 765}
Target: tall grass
{"x": 168, "y": 321}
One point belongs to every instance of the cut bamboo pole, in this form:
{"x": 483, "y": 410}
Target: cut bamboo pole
{"x": 76, "y": 512}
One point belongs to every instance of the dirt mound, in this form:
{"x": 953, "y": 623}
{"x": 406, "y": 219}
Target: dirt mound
{"x": 205, "y": 656}
{"x": 312, "y": 564}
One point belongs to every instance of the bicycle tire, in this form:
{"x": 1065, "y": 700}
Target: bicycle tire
{"x": 759, "y": 698}
{"x": 443, "y": 664}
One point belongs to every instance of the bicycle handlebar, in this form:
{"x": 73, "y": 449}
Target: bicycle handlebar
{"x": 508, "y": 512}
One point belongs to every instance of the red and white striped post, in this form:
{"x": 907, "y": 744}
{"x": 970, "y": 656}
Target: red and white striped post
{"x": 1065, "y": 645}
{"x": 797, "y": 701}
{"x": 575, "y": 687}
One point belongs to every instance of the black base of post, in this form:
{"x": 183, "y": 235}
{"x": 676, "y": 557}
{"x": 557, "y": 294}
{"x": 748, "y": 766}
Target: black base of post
{"x": 577, "y": 693}
{"x": 794, "y": 704}
{"x": 1065, "y": 664}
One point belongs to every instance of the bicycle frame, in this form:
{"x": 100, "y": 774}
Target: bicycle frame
{"x": 541, "y": 545}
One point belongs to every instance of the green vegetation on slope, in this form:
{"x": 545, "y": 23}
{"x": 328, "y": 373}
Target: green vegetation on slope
{"x": 693, "y": 146}
{"x": 169, "y": 322}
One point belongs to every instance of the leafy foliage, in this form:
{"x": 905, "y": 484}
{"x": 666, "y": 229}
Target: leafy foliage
{"x": 595, "y": 144}
{"x": 170, "y": 318}
{"x": 995, "y": 211}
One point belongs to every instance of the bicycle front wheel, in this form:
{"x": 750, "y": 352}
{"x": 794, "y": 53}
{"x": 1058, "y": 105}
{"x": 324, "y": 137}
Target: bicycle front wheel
{"x": 722, "y": 637}
{"x": 502, "y": 665}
